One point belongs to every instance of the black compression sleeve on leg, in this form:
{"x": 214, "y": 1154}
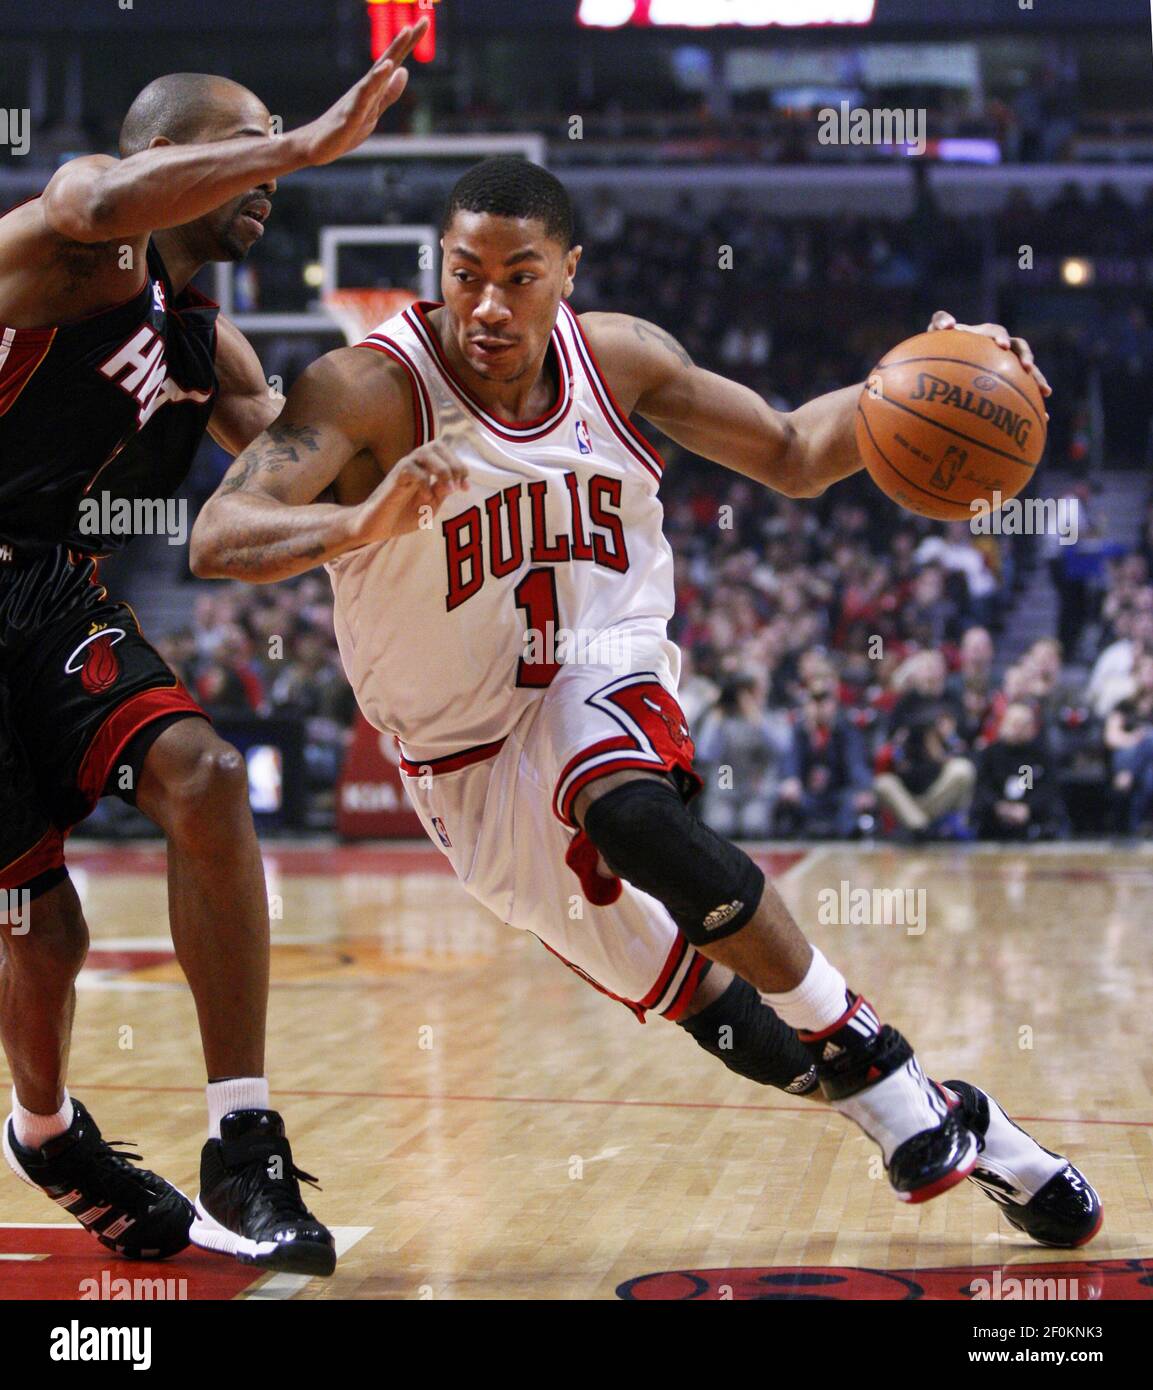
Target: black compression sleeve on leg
{"x": 742, "y": 1031}
{"x": 710, "y": 887}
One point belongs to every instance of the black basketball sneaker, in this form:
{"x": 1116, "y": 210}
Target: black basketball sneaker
{"x": 1039, "y": 1192}
{"x": 250, "y": 1204}
{"x": 868, "y": 1072}
{"x": 129, "y": 1210}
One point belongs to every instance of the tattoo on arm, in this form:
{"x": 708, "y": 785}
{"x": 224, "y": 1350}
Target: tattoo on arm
{"x": 649, "y": 332}
{"x": 278, "y": 446}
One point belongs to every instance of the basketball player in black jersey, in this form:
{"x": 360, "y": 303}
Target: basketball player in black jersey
{"x": 112, "y": 367}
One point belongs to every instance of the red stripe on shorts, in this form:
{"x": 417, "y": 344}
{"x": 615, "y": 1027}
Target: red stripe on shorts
{"x": 123, "y": 724}
{"x": 47, "y": 853}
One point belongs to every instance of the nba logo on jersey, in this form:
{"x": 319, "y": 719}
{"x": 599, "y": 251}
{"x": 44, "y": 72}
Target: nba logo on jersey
{"x": 584, "y": 443}
{"x": 438, "y": 826}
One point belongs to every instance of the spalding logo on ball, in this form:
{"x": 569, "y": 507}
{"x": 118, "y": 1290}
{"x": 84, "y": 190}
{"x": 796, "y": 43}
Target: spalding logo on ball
{"x": 947, "y": 420}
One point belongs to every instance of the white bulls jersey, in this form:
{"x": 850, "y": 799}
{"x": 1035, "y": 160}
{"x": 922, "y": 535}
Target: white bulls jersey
{"x": 554, "y": 554}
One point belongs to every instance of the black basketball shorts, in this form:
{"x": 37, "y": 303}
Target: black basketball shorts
{"x": 78, "y": 683}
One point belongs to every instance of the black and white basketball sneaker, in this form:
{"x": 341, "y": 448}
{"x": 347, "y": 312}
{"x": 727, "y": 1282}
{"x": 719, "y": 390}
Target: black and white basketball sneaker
{"x": 868, "y": 1072}
{"x": 1039, "y": 1192}
{"x": 250, "y": 1204}
{"x": 129, "y": 1210}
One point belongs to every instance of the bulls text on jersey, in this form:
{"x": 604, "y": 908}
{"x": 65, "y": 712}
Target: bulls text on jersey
{"x": 493, "y": 542}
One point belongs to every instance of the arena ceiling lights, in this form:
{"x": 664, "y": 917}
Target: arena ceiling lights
{"x": 713, "y": 14}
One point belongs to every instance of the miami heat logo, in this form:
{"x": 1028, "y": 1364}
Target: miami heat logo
{"x": 98, "y": 664}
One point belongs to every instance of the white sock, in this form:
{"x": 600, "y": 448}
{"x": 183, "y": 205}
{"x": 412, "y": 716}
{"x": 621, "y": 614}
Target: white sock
{"x": 34, "y": 1131}
{"x": 817, "y": 1002}
{"x": 235, "y": 1093}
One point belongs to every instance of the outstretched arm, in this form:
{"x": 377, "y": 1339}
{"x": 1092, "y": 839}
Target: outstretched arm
{"x": 97, "y": 198}
{"x": 246, "y": 403}
{"x": 263, "y": 523}
{"x": 798, "y": 453}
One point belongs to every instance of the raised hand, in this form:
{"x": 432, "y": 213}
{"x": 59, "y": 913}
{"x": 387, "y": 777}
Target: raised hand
{"x": 353, "y": 118}
{"x": 942, "y": 319}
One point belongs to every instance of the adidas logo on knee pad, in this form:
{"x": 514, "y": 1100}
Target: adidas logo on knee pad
{"x": 721, "y": 916}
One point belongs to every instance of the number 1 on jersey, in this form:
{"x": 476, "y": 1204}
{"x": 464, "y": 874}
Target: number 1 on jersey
{"x": 536, "y": 597}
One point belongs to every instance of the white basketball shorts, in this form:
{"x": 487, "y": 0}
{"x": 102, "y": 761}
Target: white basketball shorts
{"x": 502, "y": 814}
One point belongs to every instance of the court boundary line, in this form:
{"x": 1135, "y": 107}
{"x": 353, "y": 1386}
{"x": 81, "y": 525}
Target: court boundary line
{"x": 821, "y": 1112}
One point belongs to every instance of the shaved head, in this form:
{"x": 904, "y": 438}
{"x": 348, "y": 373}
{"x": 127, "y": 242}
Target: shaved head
{"x": 186, "y": 106}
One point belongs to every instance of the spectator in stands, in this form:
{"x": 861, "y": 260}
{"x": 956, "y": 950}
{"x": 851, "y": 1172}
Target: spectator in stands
{"x": 930, "y": 618}
{"x": 922, "y": 681}
{"x": 228, "y": 682}
{"x": 957, "y": 552}
{"x": 310, "y": 685}
{"x": 827, "y": 784}
{"x": 970, "y": 687}
{"x": 739, "y": 747}
{"x": 1072, "y": 583}
{"x": 928, "y": 782}
{"x": 1110, "y": 680}
{"x": 1017, "y": 795}
{"x": 1129, "y": 738}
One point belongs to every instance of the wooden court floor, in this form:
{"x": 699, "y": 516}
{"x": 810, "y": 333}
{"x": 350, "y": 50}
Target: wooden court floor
{"x": 486, "y": 1126}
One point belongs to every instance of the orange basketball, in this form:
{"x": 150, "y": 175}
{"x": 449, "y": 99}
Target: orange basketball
{"x": 949, "y": 418}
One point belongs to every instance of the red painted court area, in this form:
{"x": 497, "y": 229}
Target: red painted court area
{"x": 1067, "y": 1281}
{"x": 63, "y": 1263}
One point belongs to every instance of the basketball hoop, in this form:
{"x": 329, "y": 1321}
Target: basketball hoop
{"x": 359, "y": 311}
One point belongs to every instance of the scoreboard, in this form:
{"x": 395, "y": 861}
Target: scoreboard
{"x": 388, "y": 17}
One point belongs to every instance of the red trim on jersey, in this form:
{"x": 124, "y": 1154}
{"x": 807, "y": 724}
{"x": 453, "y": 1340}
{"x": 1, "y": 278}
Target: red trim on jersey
{"x": 47, "y": 853}
{"x": 516, "y": 432}
{"x": 611, "y": 409}
{"x": 453, "y": 762}
{"x": 123, "y": 724}
{"x": 673, "y": 962}
{"x": 637, "y": 1009}
{"x": 197, "y": 299}
{"x": 688, "y": 988}
{"x": 21, "y": 352}
{"x": 424, "y": 419}
{"x": 622, "y": 764}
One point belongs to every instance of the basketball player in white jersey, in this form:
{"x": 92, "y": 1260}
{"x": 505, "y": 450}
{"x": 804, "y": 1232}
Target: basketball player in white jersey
{"x": 502, "y": 591}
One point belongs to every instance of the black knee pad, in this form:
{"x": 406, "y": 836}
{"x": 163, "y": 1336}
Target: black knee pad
{"x": 742, "y": 1031}
{"x": 647, "y": 837}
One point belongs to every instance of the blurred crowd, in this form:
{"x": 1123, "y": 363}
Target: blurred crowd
{"x": 841, "y": 677}
{"x": 844, "y": 686}
{"x": 263, "y": 653}
{"x": 795, "y": 306}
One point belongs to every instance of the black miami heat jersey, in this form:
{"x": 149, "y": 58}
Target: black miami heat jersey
{"x": 115, "y": 403}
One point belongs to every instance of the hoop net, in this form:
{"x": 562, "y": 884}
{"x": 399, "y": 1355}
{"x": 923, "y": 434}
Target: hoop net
{"x": 359, "y": 311}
